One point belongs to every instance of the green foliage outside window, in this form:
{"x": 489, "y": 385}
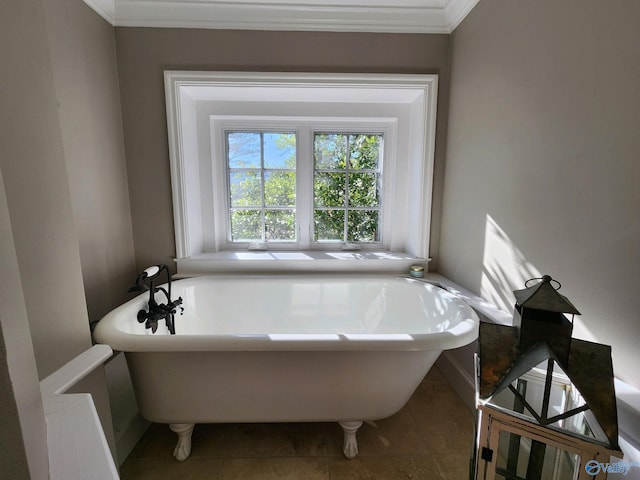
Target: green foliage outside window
{"x": 262, "y": 184}
{"x": 347, "y": 187}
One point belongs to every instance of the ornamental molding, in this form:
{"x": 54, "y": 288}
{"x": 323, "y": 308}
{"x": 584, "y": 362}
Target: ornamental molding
{"x": 401, "y": 16}
{"x": 105, "y": 8}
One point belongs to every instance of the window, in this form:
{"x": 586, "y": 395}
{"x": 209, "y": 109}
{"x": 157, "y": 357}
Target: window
{"x": 346, "y": 187}
{"x": 262, "y": 188}
{"x": 292, "y": 162}
{"x": 261, "y": 170}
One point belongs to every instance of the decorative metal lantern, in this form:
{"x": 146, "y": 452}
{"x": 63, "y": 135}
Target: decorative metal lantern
{"x": 546, "y": 406}
{"x": 539, "y": 315}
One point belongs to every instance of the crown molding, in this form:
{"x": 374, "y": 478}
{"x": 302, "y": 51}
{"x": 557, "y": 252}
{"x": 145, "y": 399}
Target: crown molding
{"x": 400, "y": 16}
{"x": 457, "y": 10}
{"x": 105, "y": 8}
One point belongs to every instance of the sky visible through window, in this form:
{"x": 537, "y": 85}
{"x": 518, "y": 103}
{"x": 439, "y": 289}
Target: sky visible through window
{"x": 244, "y": 149}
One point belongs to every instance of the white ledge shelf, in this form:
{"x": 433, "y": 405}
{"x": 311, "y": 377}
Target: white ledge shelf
{"x": 297, "y": 262}
{"x": 77, "y": 445}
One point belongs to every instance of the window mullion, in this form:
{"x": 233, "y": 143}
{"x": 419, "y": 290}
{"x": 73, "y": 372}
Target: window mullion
{"x": 304, "y": 187}
{"x": 347, "y": 167}
{"x": 262, "y": 197}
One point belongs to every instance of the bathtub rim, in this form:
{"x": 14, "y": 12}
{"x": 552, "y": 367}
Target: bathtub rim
{"x": 463, "y": 334}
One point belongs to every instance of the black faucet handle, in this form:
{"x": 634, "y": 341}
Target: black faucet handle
{"x": 142, "y": 316}
{"x": 175, "y": 305}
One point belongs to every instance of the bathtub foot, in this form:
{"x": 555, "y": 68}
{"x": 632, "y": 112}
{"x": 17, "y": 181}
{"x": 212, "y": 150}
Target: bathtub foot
{"x": 183, "y": 447}
{"x": 350, "y": 446}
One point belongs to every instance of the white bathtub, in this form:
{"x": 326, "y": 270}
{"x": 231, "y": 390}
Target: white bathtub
{"x": 287, "y": 349}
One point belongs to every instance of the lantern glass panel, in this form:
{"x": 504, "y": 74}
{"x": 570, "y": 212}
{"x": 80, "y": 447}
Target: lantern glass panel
{"x": 520, "y": 457}
{"x": 564, "y": 397}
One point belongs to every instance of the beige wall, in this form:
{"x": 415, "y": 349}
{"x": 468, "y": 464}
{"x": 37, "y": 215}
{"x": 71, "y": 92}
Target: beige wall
{"x": 37, "y": 189}
{"x": 86, "y": 83}
{"x": 143, "y": 55}
{"x": 62, "y": 161}
{"x": 543, "y": 160}
{"x": 37, "y": 194}
{"x": 83, "y": 58}
{"x": 23, "y": 436}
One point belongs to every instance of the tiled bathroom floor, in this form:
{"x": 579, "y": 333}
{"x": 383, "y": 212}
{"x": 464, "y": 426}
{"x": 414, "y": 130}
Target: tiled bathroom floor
{"x": 431, "y": 438}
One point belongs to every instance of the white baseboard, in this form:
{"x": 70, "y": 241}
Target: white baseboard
{"x": 128, "y": 439}
{"x": 460, "y": 380}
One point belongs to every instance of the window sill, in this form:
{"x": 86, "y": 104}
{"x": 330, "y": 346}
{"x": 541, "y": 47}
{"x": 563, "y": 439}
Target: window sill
{"x": 296, "y": 262}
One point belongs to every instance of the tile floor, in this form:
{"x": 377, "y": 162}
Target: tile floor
{"x": 431, "y": 438}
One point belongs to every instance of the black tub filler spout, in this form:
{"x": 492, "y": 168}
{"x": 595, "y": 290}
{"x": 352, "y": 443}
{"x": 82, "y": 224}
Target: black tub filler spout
{"x": 157, "y": 311}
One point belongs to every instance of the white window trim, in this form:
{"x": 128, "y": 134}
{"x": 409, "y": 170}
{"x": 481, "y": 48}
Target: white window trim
{"x": 193, "y": 98}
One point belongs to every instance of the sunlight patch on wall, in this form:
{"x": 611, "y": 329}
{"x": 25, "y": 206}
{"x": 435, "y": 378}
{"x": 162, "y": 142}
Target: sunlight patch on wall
{"x": 504, "y": 267}
{"x": 581, "y": 330}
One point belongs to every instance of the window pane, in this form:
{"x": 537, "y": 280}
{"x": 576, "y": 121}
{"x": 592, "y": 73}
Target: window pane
{"x": 329, "y": 225}
{"x": 246, "y": 225}
{"x": 362, "y": 226}
{"x": 280, "y": 225}
{"x": 280, "y": 150}
{"x": 279, "y": 189}
{"x": 330, "y": 151}
{"x": 261, "y": 168}
{"x": 354, "y": 160}
{"x": 363, "y": 190}
{"x": 243, "y": 149}
{"x": 328, "y": 189}
{"x": 245, "y": 188}
{"x": 364, "y": 151}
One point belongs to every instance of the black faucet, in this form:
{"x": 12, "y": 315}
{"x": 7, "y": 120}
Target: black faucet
{"x": 157, "y": 311}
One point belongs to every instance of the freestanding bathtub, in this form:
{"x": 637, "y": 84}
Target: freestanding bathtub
{"x": 287, "y": 349}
